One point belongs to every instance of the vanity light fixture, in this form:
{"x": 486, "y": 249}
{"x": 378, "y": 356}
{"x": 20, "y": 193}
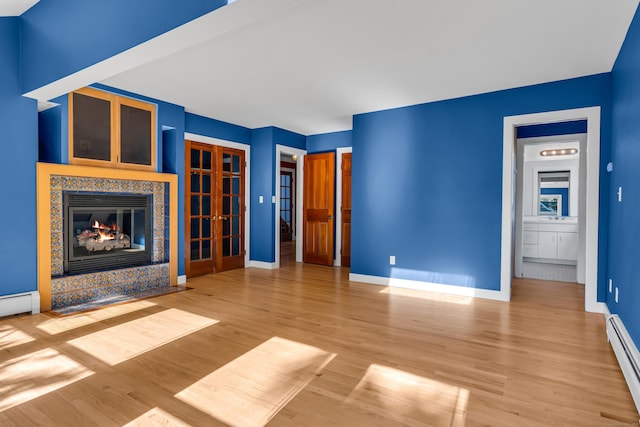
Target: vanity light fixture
{"x": 559, "y": 152}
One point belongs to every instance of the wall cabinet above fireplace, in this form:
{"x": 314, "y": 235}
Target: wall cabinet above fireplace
{"x": 109, "y": 130}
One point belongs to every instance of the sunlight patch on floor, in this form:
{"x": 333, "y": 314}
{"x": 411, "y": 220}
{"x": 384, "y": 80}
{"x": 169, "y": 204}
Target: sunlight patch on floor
{"x": 122, "y": 342}
{"x": 67, "y": 323}
{"x": 251, "y": 389}
{"x": 11, "y": 337}
{"x": 426, "y": 295}
{"x": 156, "y": 417}
{"x": 33, "y": 375}
{"x": 409, "y": 399}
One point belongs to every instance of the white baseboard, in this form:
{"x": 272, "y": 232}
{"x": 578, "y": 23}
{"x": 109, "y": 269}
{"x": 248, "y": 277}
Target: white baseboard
{"x": 430, "y": 287}
{"x": 263, "y": 265}
{"x": 182, "y": 280}
{"x": 26, "y": 302}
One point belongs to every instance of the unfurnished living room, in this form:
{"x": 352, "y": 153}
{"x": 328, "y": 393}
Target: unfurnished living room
{"x": 313, "y": 213}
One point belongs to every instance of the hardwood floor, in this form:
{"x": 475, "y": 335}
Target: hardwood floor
{"x": 302, "y": 346}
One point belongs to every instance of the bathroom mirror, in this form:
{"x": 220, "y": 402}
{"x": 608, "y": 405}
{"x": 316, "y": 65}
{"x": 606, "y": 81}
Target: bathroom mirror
{"x": 553, "y": 193}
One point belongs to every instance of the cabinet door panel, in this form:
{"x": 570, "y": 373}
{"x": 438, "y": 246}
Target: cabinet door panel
{"x": 135, "y": 135}
{"x": 547, "y": 244}
{"x": 567, "y": 246}
{"x": 91, "y": 128}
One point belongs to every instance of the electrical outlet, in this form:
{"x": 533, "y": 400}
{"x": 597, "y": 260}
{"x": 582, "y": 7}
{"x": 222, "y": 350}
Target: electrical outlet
{"x": 616, "y": 294}
{"x": 610, "y": 285}
{"x": 392, "y": 260}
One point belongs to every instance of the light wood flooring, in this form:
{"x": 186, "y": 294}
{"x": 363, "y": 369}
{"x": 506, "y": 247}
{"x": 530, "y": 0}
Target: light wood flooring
{"x": 303, "y": 346}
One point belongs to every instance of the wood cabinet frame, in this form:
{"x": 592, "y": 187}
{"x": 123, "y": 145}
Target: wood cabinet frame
{"x": 115, "y": 102}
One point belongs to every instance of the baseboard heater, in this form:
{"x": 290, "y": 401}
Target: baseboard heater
{"x": 627, "y": 354}
{"x": 28, "y": 302}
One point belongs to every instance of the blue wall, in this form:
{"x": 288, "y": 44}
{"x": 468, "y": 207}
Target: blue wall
{"x": 213, "y": 128}
{"x": 624, "y": 225}
{"x": 427, "y": 182}
{"x": 550, "y": 129}
{"x": 262, "y": 183}
{"x": 61, "y": 37}
{"x": 328, "y": 141}
{"x": 19, "y": 145}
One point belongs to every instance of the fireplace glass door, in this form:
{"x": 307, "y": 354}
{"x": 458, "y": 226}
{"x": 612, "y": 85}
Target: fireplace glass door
{"x": 105, "y": 231}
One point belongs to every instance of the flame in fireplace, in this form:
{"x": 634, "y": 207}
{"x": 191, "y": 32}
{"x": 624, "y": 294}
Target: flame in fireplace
{"x": 105, "y": 231}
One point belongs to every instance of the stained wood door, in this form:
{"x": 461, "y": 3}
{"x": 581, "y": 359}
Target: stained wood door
{"x": 231, "y": 209}
{"x": 345, "y": 258}
{"x": 318, "y": 208}
{"x": 200, "y": 207}
{"x": 215, "y": 209}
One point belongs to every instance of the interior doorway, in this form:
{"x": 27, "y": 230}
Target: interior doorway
{"x": 591, "y": 199}
{"x": 549, "y": 208}
{"x": 289, "y": 162}
{"x": 288, "y": 183}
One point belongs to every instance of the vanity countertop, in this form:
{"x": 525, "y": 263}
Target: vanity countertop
{"x": 551, "y": 219}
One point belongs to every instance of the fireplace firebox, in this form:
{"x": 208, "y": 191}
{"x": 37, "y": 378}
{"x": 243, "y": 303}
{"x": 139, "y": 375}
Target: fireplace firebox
{"x": 106, "y": 231}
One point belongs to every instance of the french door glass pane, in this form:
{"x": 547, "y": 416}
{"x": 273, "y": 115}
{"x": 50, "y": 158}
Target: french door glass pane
{"x": 226, "y": 227}
{"x": 236, "y": 164}
{"x": 195, "y": 205}
{"x": 235, "y": 225}
{"x": 206, "y": 183}
{"x": 206, "y": 160}
{"x": 235, "y": 249}
{"x": 195, "y": 159}
{"x": 236, "y": 185}
{"x": 226, "y": 185}
{"x": 226, "y": 208}
{"x": 206, "y": 228}
{"x": 206, "y": 249}
{"x": 195, "y": 228}
{"x": 195, "y": 250}
{"x": 206, "y": 205}
{"x": 236, "y": 205}
{"x": 226, "y": 246}
{"x": 195, "y": 182}
{"x": 226, "y": 162}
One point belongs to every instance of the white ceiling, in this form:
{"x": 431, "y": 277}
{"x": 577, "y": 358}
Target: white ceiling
{"x": 15, "y": 7}
{"x": 309, "y": 66}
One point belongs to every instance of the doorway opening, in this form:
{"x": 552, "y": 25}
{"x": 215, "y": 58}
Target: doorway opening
{"x": 287, "y": 190}
{"x": 288, "y": 204}
{"x": 549, "y": 208}
{"x": 591, "y": 197}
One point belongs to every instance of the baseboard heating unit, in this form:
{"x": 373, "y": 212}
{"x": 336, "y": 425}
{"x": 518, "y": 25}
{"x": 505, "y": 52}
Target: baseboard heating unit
{"x": 627, "y": 354}
{"x": 28, "y": 302}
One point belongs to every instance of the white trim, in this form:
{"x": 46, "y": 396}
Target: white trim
{"x": 182, "y": 280}
{"x": 247, "y": 185}
{"x": 605, "y": 311}
{"x": 23, "y": 302}
{"x": 592, "y": 115}
{"x": 338, "y": 237}
{"x": 263, "y": 265}
{"x": 428, "y": 286}
{"x": 280, "y": 150}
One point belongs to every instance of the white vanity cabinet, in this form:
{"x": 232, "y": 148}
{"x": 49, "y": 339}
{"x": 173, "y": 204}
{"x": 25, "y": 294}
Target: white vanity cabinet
{"x": 550, "y": 241}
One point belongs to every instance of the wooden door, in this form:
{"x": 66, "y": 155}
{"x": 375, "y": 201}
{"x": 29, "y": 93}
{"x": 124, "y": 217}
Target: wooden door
{"x": 231, "y": 209}
{"x": 346, "y": 210}
{"x": 318, "y": 208}
{"x": 200, "y": 209}
{"x": 215, "y": 209}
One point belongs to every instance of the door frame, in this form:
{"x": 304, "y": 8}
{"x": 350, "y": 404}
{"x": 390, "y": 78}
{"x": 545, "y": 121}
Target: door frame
{"x": 592, "y": 115}
{"x": 247, "y": 200}
{"x": 280, "y": 150}
{"x": 337, "y": 261}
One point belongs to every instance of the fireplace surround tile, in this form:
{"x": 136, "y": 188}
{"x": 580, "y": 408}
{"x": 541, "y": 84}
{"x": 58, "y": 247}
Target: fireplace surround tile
{"x": 82, "y": 288}
{"x": 54, "y": 285}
